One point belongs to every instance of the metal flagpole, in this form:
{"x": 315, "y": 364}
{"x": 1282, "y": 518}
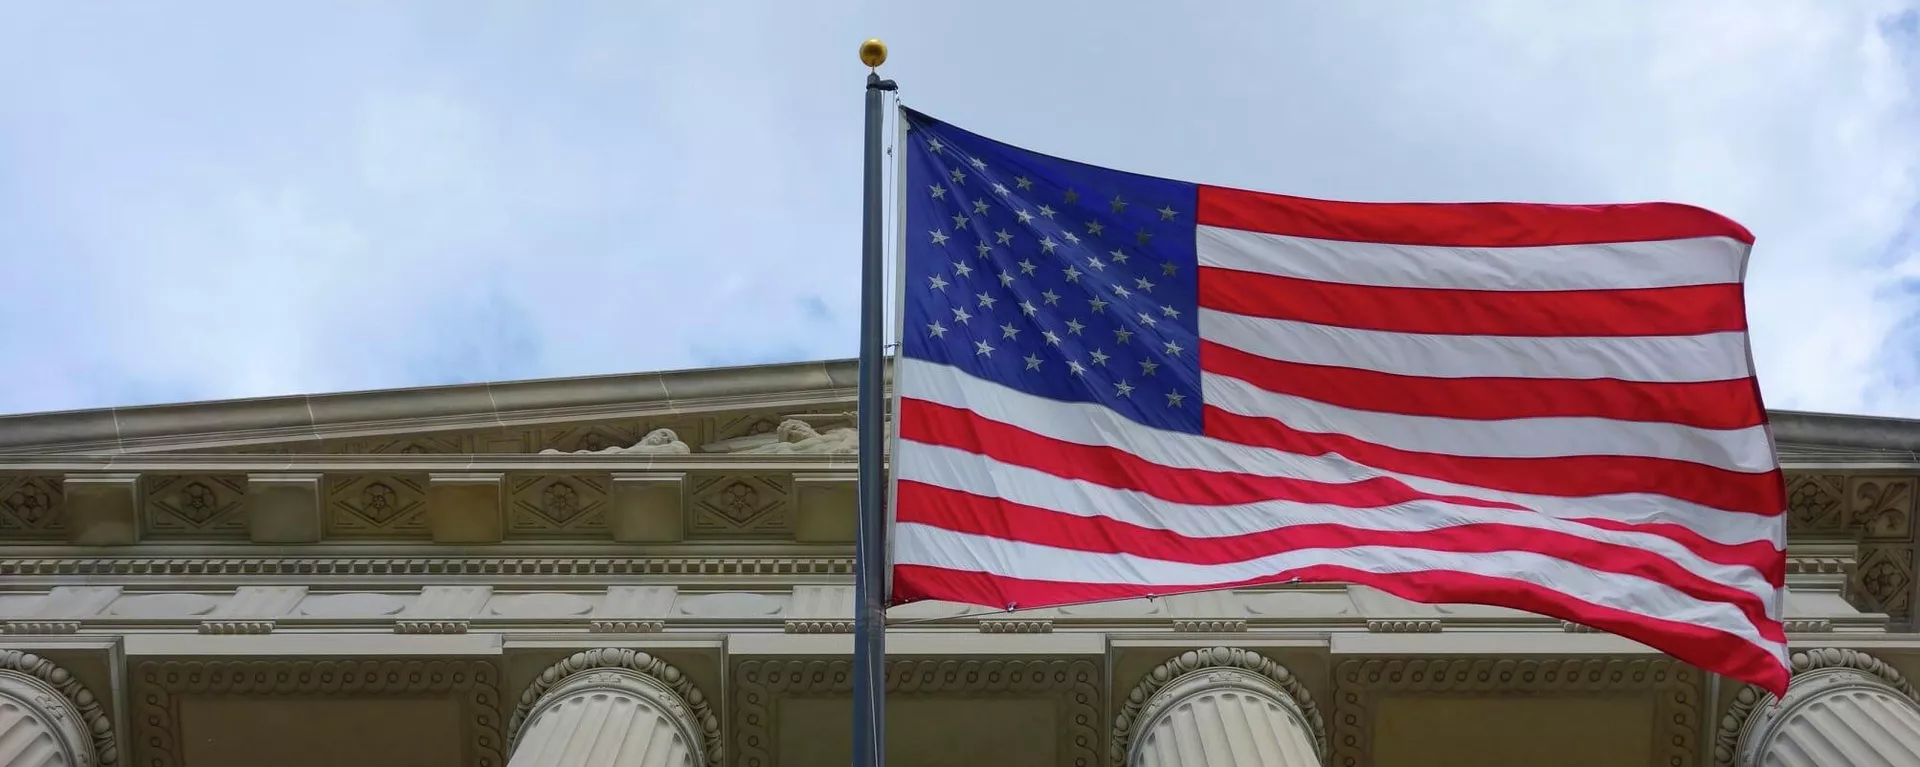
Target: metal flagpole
{"x": 870, "y": 549}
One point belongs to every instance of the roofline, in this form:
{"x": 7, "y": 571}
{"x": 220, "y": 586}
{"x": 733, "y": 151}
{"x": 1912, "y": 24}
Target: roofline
{"x": 305, "y": 417}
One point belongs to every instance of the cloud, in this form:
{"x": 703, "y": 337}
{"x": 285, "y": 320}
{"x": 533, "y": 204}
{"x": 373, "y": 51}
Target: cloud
{"x": 232, "y": 199}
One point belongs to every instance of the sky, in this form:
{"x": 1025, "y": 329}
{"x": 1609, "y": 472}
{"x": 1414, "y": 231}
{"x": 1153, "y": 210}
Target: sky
{"x": 204, "y": 200}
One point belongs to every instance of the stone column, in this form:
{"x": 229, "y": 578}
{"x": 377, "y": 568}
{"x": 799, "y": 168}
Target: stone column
{"x": 1843, "y": 707}
{"x": 1219, "y": 707}
{"x": 48, "y": 718}
{"x": 614, "y": 708}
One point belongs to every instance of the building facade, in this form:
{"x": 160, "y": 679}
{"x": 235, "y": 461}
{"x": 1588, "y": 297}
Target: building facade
{"x": 656, "y": 570}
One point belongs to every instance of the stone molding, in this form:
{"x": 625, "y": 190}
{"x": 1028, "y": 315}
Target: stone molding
{"x": 1141, "y": 706}
{"x": 1751, "y": 705}
{"x": 393, "y": 564}
{"x": 54, "y": 689}
{"x": 1676, "y": 709}
{"x": 697, "y": 710}
{"x": 1074, "y": 684}
{"x": 161, "y": 684}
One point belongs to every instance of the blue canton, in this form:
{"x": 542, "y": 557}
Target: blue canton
{"x": 1052, "y": 277}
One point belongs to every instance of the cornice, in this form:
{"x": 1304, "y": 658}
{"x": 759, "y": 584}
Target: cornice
{"x": 192, "y": 463}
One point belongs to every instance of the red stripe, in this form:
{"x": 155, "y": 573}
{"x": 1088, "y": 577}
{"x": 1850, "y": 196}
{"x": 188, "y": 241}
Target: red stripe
{"x": 1762, "y": 494}
{"x": 1707, "y": 404}
{"x": 1467, "y": 225}
{"x": 998, "y": 518}
{"x": 1674, "y": 311}
{"x": 1707, "y": 648}
{"x": 933, "y": 423}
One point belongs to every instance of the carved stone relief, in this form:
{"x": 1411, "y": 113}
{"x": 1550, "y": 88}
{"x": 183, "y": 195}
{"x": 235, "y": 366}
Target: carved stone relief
{"x": 30, "y": 506}
{"x": 547, "y": 504}
{"x": 1877, "y": 508}
{"x": 411, "y": 444}
{"x": 377, "y": 505}
{"x": 160, "y": 685}
{"x": 687, "y": 703}
{"x": 195, "y": 505}
{"x": 1135, "y": 710}
{"x": 741, "y": 505}
{"x": 55, "y": 694}
{"x": 1750, "y": 699}
{"x": 656, "y": 442}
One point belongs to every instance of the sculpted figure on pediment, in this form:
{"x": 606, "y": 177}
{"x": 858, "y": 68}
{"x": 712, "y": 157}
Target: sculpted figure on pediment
{"x": 797, "y": 436}
{"x": 657, "y": 442}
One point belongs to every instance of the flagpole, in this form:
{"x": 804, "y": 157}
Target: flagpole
{"x": 870, "y": 550}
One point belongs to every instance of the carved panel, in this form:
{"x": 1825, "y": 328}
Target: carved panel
{"x": 743, "y": 505}
{"x": 1814, "y": 502}
{"x": 30, "y": 507}
{"x": 1881, "y": 508}
{"x": 760, "y": 685}
{"x": 195, "y": 505}
{"x": 427, "y": 444}
{"x": 377, "y": 504}
{"x": 591, "y": 436}
{"x": 548, "y": 504}
{"x": 162, "y": 684}
{"x": 1884, "y": 578}
{"x": 1675, "y": 686}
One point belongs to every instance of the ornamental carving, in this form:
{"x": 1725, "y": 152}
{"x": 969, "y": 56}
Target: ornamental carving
{"x": 1814, "y": 502}
{"x": 1882, "y": 508}
{"x": 696, "y": 708}
{"x": 1131, "y": 713}
{"x": 1726, "y": 740}
{"x": 656, "y": 442}
{"x": 195, "y": 505}
{"x": 160, "y": 686}
{"x": 377, "y": 504}
{"x": 741, "y": 505}
{"x": 1674, "y": 685}
{"x": 74, "y": 699}
{"x": 1074, "y": 685}
{"x": 30, "y": 506}
{"x": 540, "y": 504}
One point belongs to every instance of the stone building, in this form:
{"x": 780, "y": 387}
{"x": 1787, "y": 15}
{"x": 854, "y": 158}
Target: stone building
{"x": 655, "y": 570}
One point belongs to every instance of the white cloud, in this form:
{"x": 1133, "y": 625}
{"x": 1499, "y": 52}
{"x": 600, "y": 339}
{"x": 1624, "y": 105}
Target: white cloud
{"x": 235, "y": 199}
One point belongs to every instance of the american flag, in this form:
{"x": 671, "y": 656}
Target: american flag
{"x": 1115, "y": 386}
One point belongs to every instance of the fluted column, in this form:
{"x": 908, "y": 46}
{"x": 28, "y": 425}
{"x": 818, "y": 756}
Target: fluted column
{"x": 48, "y": 718}
{"x": 614, "y": 708}
{"x": 1219, "y": 707}
{"x": 1843, "y": 707}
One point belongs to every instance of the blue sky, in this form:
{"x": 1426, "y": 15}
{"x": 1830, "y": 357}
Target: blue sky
{"x": 222, "y": 199}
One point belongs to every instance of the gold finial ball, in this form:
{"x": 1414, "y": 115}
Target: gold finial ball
{"x": 873, "y": 53}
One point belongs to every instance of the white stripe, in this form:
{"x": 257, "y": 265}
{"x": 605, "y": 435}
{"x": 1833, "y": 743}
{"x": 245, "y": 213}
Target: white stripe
{"x": 1090, "y": 424}
{"x": 916, "y": 544}
{"x": 1604, "y": 266}
{"x": 1745, "y": 450}
{"x": 1705, "y": 357}
{"x": 956, "y": 469}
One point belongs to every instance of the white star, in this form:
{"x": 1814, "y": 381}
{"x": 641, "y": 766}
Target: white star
{"x": 1005, "y": 238}
{"x": 1076, "y": 367}
{"x": 1099, "y": 357}
{"x": 980, "y": 206}
{"x": 960, "y": 221}
{"x": 960, "y": 269}
{"x": 1074, "y": 327}
{"x": 1148, "y": 320}
{"x": 1053, "y": 339}
{"x": 936, "y": 329}
{"x": 1033, "y": 362}
{"x": 1072, "y": 196}
{"x": 1095, "y": 228}
{"x": 1167, "y": 213}
{"x": 1046, "y": 211}
{"x": 1022, "y": 182}
{"x": 1097, "y": 304}
{"x": 1170, "y": 311}
{"x": 1122, "y": 389}
{"x": 1122, "y": 335}
{"x": 1174, "y": 398}
{"x": 1071, "y": 237}
{"x": 1168, "y": 268}
{"x": 1119, "y": 256}
{"x": 983, "y": 348}
{"x": 960, "y": 315}
{"x": 1027, "y": 308}
{"x": 1149, "y": 367}
{"x": 1094, "y": 263}
{"x": 983, "y": 249}
{"x": 1173, "y": 349}
{"x": 1047, "y": 244}
{"x": 937, "y": 282}
{"x": 1027, "y": 267}
{"x": 939, "y": 192}
{"x": 1000, "y": 189}
{"x": 959, "y": 176}
{"x": 986, "y": 301}
{"x": 1142, "y": 237}
{"x": 1005, "y": 278}
{"x": 1050, "y": 296}
{"x": 978, "y": 164}
{"x": 939, "y": 237}
{"x": 1009, "y": 331}
{"x": 1073, "y": 275}
{"x": 935, "y": 145}
{"x": 1025, "y": 217}
{"x": 1118, "y": 204}
{"x": 1142, "y": 283}
{"x": 1121, "y": 291}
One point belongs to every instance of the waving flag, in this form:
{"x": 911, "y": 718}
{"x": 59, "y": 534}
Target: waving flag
{"x": 1116, "y": 386}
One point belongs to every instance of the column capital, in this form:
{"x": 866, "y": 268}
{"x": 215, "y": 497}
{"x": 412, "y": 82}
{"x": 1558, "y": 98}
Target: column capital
{"x": 1213, "y": 671}
{"x": 628, "y": 673}
{"x": 1757, "y": 720}
{"x": 62, "y": 722}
